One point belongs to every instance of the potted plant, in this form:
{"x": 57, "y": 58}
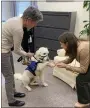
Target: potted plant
{"x": 86, "y": 30}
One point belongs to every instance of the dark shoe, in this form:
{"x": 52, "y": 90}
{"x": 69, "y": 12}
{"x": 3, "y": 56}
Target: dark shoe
{"x": 18, "y": 94}
{"x": 17, "y": 103}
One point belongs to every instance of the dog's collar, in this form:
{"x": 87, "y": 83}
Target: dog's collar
{"x": 38, "y": 61}
{"x": 44, "y": 56}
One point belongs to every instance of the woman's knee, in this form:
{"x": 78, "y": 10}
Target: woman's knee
{"x": 79, "y": 81}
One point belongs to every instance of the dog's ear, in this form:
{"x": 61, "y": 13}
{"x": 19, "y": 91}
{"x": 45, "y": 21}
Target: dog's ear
{"x": 47, "y": 49}
{"x": 37, "y": 52}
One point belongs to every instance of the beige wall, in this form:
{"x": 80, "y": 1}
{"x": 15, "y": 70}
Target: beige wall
{"x": 67, "y": 7}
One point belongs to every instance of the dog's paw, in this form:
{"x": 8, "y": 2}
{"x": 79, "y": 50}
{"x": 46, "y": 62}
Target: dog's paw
{"x": 28, "y": 88}
{"x": 45, "y": 84}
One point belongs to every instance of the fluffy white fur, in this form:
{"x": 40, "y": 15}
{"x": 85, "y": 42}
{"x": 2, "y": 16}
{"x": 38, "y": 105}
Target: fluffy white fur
{"x": 27, "y": 77}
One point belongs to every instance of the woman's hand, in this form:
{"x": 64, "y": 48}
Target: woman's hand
{"x": 30, "y": 54}
{"x": 51, "y": 64}
{"x": 61, "y": 65}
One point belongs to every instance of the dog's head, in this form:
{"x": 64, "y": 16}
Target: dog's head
{"x": 42, "y": 54}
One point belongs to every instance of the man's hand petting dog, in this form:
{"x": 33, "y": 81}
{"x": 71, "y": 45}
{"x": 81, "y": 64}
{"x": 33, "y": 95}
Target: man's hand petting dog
{"x": 29, "y": 54}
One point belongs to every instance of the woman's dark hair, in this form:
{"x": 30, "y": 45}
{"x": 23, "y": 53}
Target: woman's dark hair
{"x": 71, "y": 40}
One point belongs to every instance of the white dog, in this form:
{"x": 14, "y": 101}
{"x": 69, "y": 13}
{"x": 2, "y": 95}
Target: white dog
{"x": 35, "y": 69}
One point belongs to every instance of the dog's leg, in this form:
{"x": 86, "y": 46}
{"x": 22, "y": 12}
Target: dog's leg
{"x": 33, "y": 82}
{"x": 26, "y": 86}
{"x": 26, "y": 80}
{"x": 42, "y": 80}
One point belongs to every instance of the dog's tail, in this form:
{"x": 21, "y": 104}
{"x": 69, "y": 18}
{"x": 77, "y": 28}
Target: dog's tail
{"x": 18, "y": 76}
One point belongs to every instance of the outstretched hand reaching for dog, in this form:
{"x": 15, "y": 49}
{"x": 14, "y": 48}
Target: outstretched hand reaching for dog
{"x": 51, "y": 63}
{"x": 61, "y": 65}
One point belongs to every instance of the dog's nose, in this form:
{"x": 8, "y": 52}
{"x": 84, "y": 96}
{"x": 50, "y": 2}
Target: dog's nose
{"x": 48, "y": 59}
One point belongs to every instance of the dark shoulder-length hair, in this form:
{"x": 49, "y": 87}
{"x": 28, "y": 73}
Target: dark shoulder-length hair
{"x": 71, "y": 40}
